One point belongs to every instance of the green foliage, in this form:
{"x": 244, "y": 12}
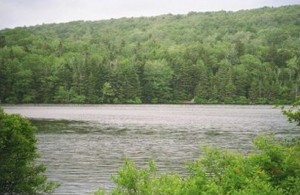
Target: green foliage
{"x": 19, "y": 172}
{"x": 274, "y": 168}
{"x": 293, "y": 114}
{"x": 108, "y": 93}
{"x": 131, "y": 180}
{"x": 213, "y": 57}
{"x": 241, "y": 100}
{"x": 157, "y": 78}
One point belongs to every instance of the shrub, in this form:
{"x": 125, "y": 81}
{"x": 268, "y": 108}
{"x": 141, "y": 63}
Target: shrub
{"x": 273, "y": 169}
{"x": 242, "y": 100}
{"x": 293, "y": 113}
{"x": 20, "y": 174}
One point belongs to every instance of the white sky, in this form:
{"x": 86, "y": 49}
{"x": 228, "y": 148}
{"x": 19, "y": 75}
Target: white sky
{"x": 15, "y": 13}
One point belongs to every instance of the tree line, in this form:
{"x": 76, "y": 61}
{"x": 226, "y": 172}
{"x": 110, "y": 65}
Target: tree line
{"x": 249, "y": 56}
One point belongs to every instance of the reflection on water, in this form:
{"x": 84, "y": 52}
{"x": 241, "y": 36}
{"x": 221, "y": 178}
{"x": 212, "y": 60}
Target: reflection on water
{"x": 84, "y": 145}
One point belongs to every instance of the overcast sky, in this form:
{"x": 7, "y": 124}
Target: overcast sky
{"x": 15, "y": 13}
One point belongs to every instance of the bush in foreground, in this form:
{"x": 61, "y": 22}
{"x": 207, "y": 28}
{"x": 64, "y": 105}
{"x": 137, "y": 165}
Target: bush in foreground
{"x": 273, "y": 169}
{"x": 19, "y": 173}
{"x": 293, "y": 114}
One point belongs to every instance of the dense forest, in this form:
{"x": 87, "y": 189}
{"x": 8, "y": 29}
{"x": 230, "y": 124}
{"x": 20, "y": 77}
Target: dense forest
{"x": 248, "y": 56}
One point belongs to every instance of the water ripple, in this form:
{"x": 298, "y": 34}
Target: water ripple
{"x": 83, "y": 146}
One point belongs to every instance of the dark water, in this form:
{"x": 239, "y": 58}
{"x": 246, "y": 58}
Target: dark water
{"x": 83, "y": 145}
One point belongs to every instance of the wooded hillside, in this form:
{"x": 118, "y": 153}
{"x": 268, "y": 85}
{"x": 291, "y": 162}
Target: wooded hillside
{"x": 249, "y": 56}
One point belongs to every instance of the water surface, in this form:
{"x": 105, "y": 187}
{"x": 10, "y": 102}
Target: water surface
{"x": 83, "y": 145}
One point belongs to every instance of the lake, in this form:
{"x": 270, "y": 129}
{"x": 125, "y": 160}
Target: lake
{"x": 83, "y": 145}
